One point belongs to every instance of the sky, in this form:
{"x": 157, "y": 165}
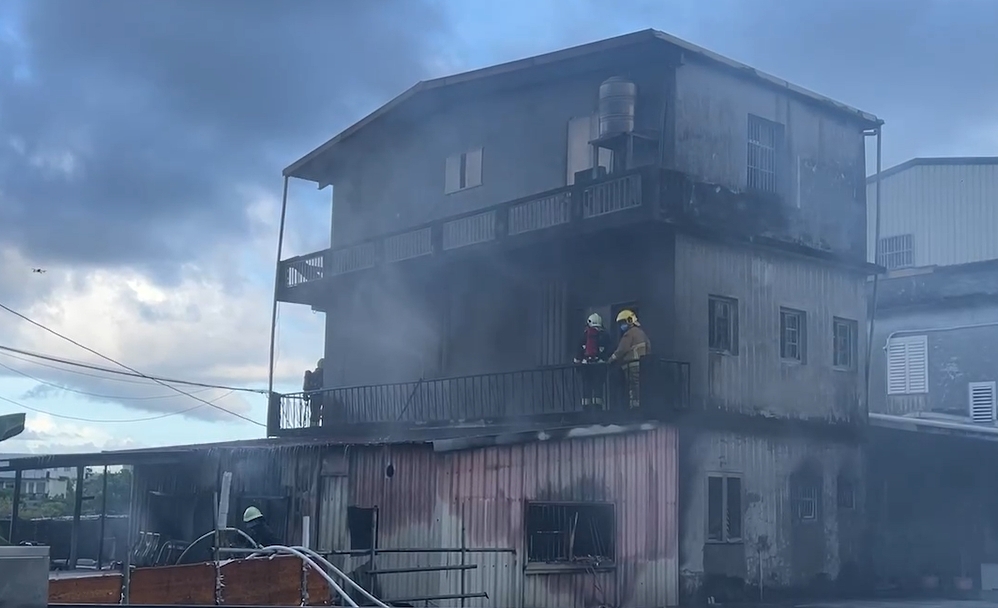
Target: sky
{"x": 142, "y": 143}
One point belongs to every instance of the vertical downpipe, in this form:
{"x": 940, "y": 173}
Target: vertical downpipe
{"x": 876, "y": 278}
{"x": 273, "y": 314}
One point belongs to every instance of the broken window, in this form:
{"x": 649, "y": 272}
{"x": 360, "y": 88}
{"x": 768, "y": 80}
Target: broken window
{"x": 846, "y": 491}
{"x": 463, "y": 171}
{"x": 845, "y": 333}
{"x": 793, "y": 335}
{"x": 360, "y": 522}
{"x": 565, "y": 533}
{"x": 763, "y": 144}
{"x": 724, "y": 508}
{"x": 897, "y": 251}
{"x": 723, "y": 324}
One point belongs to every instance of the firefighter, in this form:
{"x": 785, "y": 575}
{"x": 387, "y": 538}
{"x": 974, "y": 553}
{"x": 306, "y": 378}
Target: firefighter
{"x": 633, "y": 345}
{"x": 257, "y": 528}
{"x": 312, "y": 384}
{"x": 593, "y": 352}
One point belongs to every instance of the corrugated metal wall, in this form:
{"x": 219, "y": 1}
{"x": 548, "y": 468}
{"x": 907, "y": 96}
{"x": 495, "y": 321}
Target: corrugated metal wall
{"x": 755, "y": 379}
{"x": 951, "y": 210}
{"x": 430, "y": 498}
{"x": 765, "y": 465}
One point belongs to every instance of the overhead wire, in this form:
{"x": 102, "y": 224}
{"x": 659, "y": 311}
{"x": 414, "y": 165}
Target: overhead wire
{"x": 95, "y": 395}
{"x": 112, "y": 421}
{"x": 118, "y": 363}
{"x": 158, "y": 379}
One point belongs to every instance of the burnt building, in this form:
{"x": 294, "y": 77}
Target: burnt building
{"x": 478, "y": 219}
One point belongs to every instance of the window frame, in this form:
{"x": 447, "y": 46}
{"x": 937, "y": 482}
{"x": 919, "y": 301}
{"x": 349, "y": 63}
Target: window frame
{"x": 726, "y": 537}
{"x": 539, "y": 566}
{"x": 908, "y": 342}
{"x": 756, "y": 147}
{"x": 785, "y": 313}
{"x": 713, "y": 302}
{"x": 459, "y": 163}
{"x": 896, "y": 252}
{"x": 852, "y": 329}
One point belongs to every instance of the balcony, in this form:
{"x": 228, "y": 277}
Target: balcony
{"x": 620, "y": 199}
{"x": 553, "y": 391}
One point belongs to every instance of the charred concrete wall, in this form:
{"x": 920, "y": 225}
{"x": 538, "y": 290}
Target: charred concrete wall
{"x": 821, "y": 168}
{"x": 962, "y": 348}
{"x": 432, "y": 500}
{"x": 789, "y": 544}
{"x": 392, "y": 175}
{"x": 755, "y": 378}
{"x": 933, "y": 506}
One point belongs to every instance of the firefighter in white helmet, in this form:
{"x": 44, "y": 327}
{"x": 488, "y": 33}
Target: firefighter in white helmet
{"x": 592, "y": 352}
{"x": 633, "y": 345}
{"x": 257, "y": 528}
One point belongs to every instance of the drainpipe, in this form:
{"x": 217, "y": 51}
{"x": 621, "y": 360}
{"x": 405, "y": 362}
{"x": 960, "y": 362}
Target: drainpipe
{"x": 273, "y": 314}
{"x": 872, "y": 313}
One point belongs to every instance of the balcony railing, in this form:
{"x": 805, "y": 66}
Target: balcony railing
{"x": 581, "y": 204}
{"x": 662, "y": 386}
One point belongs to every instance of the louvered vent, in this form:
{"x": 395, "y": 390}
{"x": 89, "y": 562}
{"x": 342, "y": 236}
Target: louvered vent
{"x": 982, "y": 402}
{"x": 908, "y": 365}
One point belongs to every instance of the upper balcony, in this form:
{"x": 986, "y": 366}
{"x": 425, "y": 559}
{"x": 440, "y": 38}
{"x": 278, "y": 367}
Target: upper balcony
{"x": 591, "y": 392}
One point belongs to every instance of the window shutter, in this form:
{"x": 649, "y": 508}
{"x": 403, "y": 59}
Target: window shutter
{"x": 896, "y": 368}
{"x": 982, "y": 401}
{"x": 473, "y": 166}
{"x": 918, "y": 372}
{"x": 452, "y": 174}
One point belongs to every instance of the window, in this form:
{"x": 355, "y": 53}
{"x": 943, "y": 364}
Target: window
{"x": 360, "y": 522}
{"x": 581, "y": 131}
{"x": 806, "y": 501}
{"x": 463, "y": 171}
{"x": 793, "y": 335}
{"x": 896, "y": 251}
{"x": 846, "y": 493}
{"x": 763, "y": 137}
{"x": 723, "y": 324}
{"x": 907, "y": 365}
{"x": 566, "y": 533}
{"x": 724, "y": 508}
{"x": 844, "y": 335}
{"x": 981, "y": 396}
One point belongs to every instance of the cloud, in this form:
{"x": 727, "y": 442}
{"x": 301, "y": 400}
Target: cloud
{"x": 44, "y": 434}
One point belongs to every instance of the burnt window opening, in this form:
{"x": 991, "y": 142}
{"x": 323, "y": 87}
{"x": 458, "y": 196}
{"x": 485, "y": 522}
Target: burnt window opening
{"x": 894, "y": 252}
{"x": 724, "y": 508}
{"x": 845, "y": 335}
{"x": 723, "y": 324}
{"x": 360, "y": 523}
{"x": 846, "y": 491}
{"x": 793, "y": 335}
{"x": 806, "y": 499}
{"x": 763, "y": 154}
{"x": 568, "y": 533}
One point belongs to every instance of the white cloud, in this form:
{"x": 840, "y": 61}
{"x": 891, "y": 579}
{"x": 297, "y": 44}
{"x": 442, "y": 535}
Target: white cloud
{"x": 45, "y": 434}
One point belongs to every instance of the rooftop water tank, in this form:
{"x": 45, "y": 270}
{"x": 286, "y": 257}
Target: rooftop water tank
{"x": 617, "y": 97}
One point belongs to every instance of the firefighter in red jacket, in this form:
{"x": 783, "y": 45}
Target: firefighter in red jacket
{"x": 592, "y": 354}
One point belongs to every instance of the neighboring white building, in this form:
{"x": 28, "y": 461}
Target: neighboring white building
{"x": 935, "y": 212}
{"x": 49, "y": 483}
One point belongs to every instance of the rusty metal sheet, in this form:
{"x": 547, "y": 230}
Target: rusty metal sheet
{"x": 191, "y": 585}
{"x": 263, "y": 582}
{"x": 104, "y": 589}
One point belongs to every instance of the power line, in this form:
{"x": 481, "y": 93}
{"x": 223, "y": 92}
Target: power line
{"x": 105, "y": 421}
{"x": 88, "y": 394}
{"x": 118, "y": 363}
{"x": 75, "y": 371}
{"x": 158, "y": 379}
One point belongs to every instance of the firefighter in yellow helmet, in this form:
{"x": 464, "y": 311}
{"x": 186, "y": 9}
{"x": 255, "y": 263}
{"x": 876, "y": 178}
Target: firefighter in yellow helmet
{"x": 633, "y": 345}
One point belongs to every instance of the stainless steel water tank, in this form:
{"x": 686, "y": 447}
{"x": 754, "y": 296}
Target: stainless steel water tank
{"x": 617, "y": 97}
{"x": 24, "y": 577}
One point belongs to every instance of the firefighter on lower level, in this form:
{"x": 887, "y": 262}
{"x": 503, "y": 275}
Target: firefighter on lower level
{"x": 257, "y": 528}
{"x": 592, "y": 354}
{"x": 633, "y": 345}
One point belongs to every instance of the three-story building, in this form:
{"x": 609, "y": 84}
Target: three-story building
{"x": 478, "y": 219}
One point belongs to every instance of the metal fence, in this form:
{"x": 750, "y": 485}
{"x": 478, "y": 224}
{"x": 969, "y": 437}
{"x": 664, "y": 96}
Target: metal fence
{"x": 663, "y": 385}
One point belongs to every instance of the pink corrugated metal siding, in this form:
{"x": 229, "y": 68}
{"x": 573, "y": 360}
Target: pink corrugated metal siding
{"x": 431, "y": 497}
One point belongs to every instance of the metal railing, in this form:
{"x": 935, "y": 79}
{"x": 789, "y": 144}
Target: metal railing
{"x": 662, "y": 385}
{"x": 581, "y": 202}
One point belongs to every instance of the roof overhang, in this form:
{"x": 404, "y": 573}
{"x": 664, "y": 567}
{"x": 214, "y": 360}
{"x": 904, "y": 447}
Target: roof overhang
{"x": 311, "y": 167}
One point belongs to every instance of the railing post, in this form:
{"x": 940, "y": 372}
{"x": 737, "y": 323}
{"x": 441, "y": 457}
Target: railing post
{"x": 273, "y": 414}
{"x": 502, "y": 222}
